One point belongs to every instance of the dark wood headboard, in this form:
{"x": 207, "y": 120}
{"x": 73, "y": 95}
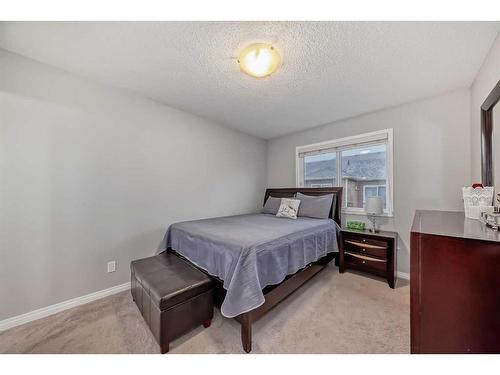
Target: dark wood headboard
{"x": 335, "y": 211}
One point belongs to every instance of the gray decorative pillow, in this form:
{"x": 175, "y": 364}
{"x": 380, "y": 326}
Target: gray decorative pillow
{"x": 317, "y": 207}
{"x": 288, "y": 208}
{"x": 272, "y": 206}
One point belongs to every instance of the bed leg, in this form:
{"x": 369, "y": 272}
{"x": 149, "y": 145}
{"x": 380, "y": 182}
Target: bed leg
{"x": 246, "y": 332}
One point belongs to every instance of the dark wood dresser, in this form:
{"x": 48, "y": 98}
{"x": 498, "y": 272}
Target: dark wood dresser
{"x": 374, "y": 253}
{"x": 454, "y": 284}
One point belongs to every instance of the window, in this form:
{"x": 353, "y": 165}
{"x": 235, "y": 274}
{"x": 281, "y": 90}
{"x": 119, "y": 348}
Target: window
{"x": 363, "y": 170}
{"x": 373, "y": 191}
{"x": 362, "y": 165}
{"x": 320, "y": 170}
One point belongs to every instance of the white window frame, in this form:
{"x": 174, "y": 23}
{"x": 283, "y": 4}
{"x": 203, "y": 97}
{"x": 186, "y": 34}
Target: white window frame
{"x": 319, "y": 185}
{"x": 347, "y": 143}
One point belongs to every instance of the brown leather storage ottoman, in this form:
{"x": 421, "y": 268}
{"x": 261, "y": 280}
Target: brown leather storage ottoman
{"x": 173, "y": 296}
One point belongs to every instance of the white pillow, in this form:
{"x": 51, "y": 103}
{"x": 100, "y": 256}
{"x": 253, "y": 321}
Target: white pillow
{"x": 288, "y": 208}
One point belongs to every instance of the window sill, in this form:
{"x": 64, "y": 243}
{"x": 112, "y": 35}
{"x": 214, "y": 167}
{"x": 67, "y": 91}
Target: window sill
{"x": 361, "y": 213}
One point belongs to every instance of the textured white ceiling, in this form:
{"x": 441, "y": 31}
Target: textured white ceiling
{"x": 330, "y": 71}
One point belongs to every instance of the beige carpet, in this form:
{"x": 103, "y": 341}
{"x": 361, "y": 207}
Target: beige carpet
{"x": 332, "y": 313}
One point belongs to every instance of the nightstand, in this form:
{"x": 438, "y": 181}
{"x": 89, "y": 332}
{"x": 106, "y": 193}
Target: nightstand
{"x": 373, "y": 253}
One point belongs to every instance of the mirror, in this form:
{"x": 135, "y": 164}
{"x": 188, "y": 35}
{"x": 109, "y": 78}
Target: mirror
{"x": 489, "y": 138}
{"x": 496, "y": 149}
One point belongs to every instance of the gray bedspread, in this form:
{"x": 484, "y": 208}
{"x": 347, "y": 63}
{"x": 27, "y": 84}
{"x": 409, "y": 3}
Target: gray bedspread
{"x": 249, "y": 252}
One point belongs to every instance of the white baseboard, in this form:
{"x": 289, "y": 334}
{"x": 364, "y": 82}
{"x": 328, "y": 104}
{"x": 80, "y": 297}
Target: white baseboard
{"x": 58, "y": 307}
{"x": 403, "y": 275}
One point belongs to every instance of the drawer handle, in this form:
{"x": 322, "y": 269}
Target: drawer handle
{"x": 366, "y": 258}
{"x": 355, "y": 243}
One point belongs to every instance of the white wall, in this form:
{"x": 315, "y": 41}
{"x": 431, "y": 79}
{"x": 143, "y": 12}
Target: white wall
{"x": 486, "y": 79}
{"x": 90, "y": 174}
{"x": 431, "y": 156}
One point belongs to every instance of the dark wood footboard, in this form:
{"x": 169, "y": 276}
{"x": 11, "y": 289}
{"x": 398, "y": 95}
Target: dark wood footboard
{"x": 275, "y": 295}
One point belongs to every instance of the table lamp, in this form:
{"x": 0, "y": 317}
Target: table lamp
{"x": 374, "y": 206}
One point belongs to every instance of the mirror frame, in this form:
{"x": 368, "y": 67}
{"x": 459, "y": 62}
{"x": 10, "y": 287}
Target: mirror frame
{"x": 487, "y": 136}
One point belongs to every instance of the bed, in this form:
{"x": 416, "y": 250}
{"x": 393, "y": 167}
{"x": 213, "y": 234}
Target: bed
{"x": 257, "y": 260}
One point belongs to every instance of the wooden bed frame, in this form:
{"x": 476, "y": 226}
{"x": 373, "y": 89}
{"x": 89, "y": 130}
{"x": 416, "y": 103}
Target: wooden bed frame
{"x": 274, "y": 294}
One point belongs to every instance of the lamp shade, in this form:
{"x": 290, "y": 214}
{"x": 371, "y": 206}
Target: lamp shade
{"x": 374, "y": 206}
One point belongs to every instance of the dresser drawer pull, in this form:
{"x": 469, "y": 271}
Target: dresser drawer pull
{"x": 365, "y": 257}
{"x": 355, "y": 243}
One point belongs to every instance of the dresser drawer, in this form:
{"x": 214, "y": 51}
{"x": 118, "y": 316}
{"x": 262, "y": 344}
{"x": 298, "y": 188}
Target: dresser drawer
{"x": 367, "y": 247}
{"x": 364, "y": 261}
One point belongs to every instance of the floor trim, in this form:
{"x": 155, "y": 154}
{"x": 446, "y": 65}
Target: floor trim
{"x": 58, "y": 307}
{"x": 403, "y": 275}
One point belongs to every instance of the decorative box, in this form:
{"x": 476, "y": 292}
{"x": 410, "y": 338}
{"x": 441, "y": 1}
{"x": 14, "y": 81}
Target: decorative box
{"x": 356, "y": 225}
{"x": 477, "y": 200}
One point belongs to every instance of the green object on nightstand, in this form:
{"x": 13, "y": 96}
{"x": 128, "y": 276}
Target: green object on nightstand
{"x": 356, "y": 225}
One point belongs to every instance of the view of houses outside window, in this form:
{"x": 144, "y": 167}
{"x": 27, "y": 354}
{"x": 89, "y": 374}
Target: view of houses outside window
{"x": 320, "y": 170}
{"x": 361, "y": 169}
{"x": 363, "y": 174}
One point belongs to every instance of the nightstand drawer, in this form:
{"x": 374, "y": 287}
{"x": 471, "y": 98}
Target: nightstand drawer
{"x": 368, "y": 247}
{"x": 365, "y": 261}
{"x": 374, "y": 253}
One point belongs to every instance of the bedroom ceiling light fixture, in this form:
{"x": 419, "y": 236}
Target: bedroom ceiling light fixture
{"x": 259, "y": 60}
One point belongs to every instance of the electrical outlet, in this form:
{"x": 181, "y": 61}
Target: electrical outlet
{"x": 112, "y": 266}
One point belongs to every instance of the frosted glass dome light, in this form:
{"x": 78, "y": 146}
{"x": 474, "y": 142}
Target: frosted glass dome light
{"x": 259, "y": 60}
